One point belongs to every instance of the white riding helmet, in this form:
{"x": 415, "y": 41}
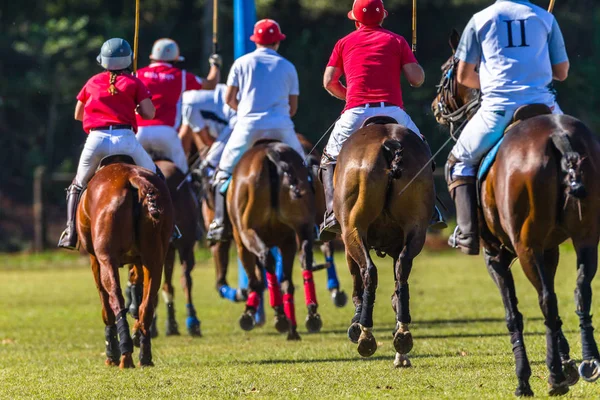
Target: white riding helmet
{"x": 165, "y": 50}
{"x": 115, "y": 55}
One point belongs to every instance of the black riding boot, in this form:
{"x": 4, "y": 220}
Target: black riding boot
{"x": 68, "y": 239}
{"x": 466, "y": 234}
{"x": 219, "y": 229}
{"x": 330, "y": 226}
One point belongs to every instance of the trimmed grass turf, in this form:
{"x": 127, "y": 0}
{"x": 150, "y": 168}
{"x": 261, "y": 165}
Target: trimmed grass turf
{"x": 52, "y": 338}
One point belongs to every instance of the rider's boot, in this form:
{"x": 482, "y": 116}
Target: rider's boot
{"x": 219, "y": 229}
{"x": 466, "y": 234}
{"x": 68, "y": 239}
{"x": 330, "y": 226}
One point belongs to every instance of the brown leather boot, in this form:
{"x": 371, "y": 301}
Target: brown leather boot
{"x": 330, "y": 226}
{"x": 466, "y": 234}
{"x": 68, "y": 239}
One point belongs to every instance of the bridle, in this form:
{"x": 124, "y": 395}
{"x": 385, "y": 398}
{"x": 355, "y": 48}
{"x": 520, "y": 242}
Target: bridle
{"x": 448, "y": 110}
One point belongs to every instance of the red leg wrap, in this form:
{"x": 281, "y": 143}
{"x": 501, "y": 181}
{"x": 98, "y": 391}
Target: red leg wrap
{"x": 309, "y": 288}
{"x": 274, "y": 290}
{"x": 289, "y": 308}
{"x": 253, "y": 300}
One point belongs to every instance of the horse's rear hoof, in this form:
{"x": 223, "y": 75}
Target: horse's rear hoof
{"x": 339, "y": 298}
{"x": 126, "y": 361}
{"x": 367, "y": 345}
{"x": 293, "y": 335}
{"x": 570, "y": 371}
{"x": 193, "y": 326}
{"x": 136, "y": 338}
{"x": 313, "y": 323}
{"x": 558, "y": 389}
{"x": 589, "y": 370}
{"x": 247, "y": 322}
{"x": 146, "y": 364}
{"x": 524, "y": 390}
{"x": 354, "y": 332}
{"x": 171, "y": 330}
{"x": 402, "y": 361}
{"x": 111, "y": 363}
{"x": 153, "y": 329}
{"x": 282, "y": 324}
{"x": 403, "y": 342}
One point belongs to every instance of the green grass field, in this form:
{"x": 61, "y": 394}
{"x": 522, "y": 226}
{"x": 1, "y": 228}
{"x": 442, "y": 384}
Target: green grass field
{"x": 52, "y": 338}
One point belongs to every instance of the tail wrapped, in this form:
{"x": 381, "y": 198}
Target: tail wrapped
{"x": 282, "y": 169}
{"x": 570, "y": 164}
{"x": 147, "y": 195}
{"x": 392, "y": 151}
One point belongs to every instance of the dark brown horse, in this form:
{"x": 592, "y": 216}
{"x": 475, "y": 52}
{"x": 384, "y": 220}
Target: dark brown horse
{"x": 186, "y": 218}
{"x": 271, "y": 204}
{"x": 126, "y": 217}
{"x": 377, "y": 210}
{"x": 542, "y": 190}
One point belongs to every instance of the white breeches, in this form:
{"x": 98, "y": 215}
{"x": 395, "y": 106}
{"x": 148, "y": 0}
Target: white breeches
{"x": 100, "y": 144}
{"x": 163, "y": 141}
{"x": 213, "y": 157}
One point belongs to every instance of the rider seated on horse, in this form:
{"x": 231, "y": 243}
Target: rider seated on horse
{"x": 208, "y": 115}
{"x": 268, "y": 91}
{"x": 371, "y": 59}
{"x": 107, "y": 106}
{"x": 518, "y": 49}
{"x": 167, "y": 83}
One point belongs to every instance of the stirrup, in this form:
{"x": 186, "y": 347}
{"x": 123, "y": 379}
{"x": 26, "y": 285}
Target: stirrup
{"x": 437, "y": 221}
{"x": 453, "y": 239}
{"x": 67, "y": 246}
{"x": 176, "y": 235}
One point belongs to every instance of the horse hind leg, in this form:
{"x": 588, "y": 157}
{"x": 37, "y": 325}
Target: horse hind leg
{"x": 288, "y": 253}
{"x": 587, "y": 265}
{"x": 255, "y": 288}
{"x": 168, "y": 292}
{"x": 338, "y": 296}
{"x": 187, "y": 263}
{"x": 313, "y": 319}
{"x": 152, "y": 275}
{"x": 111, "y": 336}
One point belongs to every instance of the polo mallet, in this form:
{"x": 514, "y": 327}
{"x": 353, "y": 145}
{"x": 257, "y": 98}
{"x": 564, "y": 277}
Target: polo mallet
{"x": 551, "y": 6}
{"x": 215, "y": 37}
{"x": 414, "y": 27}
{"x": 136, "y": 35}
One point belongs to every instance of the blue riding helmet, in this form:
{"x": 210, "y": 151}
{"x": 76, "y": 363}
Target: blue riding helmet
{"x": 115, "y": 55}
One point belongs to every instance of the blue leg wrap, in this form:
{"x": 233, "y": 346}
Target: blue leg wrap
{"x": 332, "y": 278}
{"x": 229, "y": 293}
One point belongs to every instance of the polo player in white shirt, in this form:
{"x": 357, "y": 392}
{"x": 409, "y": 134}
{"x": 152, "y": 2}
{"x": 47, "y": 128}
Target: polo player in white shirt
{"x": 268, "y": 89}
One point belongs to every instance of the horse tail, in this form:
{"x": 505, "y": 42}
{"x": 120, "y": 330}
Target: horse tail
{"x": 570, "y": 164}
{"x": 278, "y": 171}
{"x": 147, "y": 195}
{"x": 392, "y": 152}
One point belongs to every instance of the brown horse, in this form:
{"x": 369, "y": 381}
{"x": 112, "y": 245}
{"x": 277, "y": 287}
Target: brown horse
{"x": 541, "y": 190}
{"x": 186, "y": 219}
{"x": 377, "y": 210}
{"x": 125, "y": 217}
{"x": 271, "y": 203}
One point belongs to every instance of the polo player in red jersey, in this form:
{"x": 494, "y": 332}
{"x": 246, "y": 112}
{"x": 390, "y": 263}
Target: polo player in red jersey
{"x": 371, "y": 59}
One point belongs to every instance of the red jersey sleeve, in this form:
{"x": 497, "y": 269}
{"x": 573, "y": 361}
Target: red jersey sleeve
{"x": 192, "y": 82}
{"x": 83, "y": 94}
{"x": 142, "y": 92}
{"x": 406, "y": 54}
{"x": 336, "y": 59}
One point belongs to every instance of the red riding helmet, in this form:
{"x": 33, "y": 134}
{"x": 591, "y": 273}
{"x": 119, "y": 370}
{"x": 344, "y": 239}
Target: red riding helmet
{"x": 368, "y": 12}
{"x": 266, "y": 32}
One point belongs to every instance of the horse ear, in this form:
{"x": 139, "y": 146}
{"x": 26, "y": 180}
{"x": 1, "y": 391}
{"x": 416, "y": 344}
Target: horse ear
{"x": 454, "y": 39}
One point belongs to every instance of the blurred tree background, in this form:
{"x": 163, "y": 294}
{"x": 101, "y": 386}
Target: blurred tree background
{"x": 48, "y": 50}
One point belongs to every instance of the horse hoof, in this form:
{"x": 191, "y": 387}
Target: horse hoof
{"x": 293, "y": 335}
{"x": 313, "y": 323}
{"x": 247, "y": 322}
{"x": 282, "y": 324}
{"x": 126, "y": 361}
{"x": 193, "y": 326}
{"x": 403, "y": 342}
{"x": 136, "y": 338}
{"x": 354, "y": 332}
{"x": 589, "y": 370}
{"x": 524, "y": 390}
{"x": 171, "y": 330}
{"x": 558, "y": 389}
{"x": 570, "y": 371}
{"x": 402, "y": 361}
{"x": 111, "y": 363}
{"x": 367, "y": 345}
{"x": 339, "y": 298}
{"x": 146, "y": 364}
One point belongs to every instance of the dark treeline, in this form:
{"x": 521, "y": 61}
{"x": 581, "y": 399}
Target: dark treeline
{"x": 48, "y": 49}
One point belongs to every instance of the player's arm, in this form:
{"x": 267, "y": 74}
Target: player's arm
{"x": 558, "y": 53}
{"x": 293, "y": 104}
{"x": 146, "y": 109}
{"x": 231, "y": 97}
{"x": 469, "y": 56}
{"x": 414, "y": 74}
{"x": 214, "y": 75}
{"x": 332, "y": 83}
{"x": 79, "y": 111}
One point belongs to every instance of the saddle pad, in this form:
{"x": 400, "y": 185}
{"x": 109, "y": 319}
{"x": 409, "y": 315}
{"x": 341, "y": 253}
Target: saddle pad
{"x": 488, "y": 161}
{"x": 225, "y": 186}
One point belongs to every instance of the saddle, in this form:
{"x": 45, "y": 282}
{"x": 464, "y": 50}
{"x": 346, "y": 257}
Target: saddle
{"x": 379, "y": 120}
{"x": 523, "y": 113}
{"x": 114, "y": 159}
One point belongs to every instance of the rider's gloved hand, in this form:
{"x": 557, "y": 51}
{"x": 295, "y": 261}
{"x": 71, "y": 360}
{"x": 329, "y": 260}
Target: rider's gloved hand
{"x": 215, "y": 60}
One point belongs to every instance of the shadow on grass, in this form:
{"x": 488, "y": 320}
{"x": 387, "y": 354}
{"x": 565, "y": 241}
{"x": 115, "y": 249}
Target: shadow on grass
{"x": 343, "y": 359}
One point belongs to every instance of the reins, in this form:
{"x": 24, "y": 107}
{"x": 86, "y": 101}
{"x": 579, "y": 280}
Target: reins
{"x": 320, "y": 140}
